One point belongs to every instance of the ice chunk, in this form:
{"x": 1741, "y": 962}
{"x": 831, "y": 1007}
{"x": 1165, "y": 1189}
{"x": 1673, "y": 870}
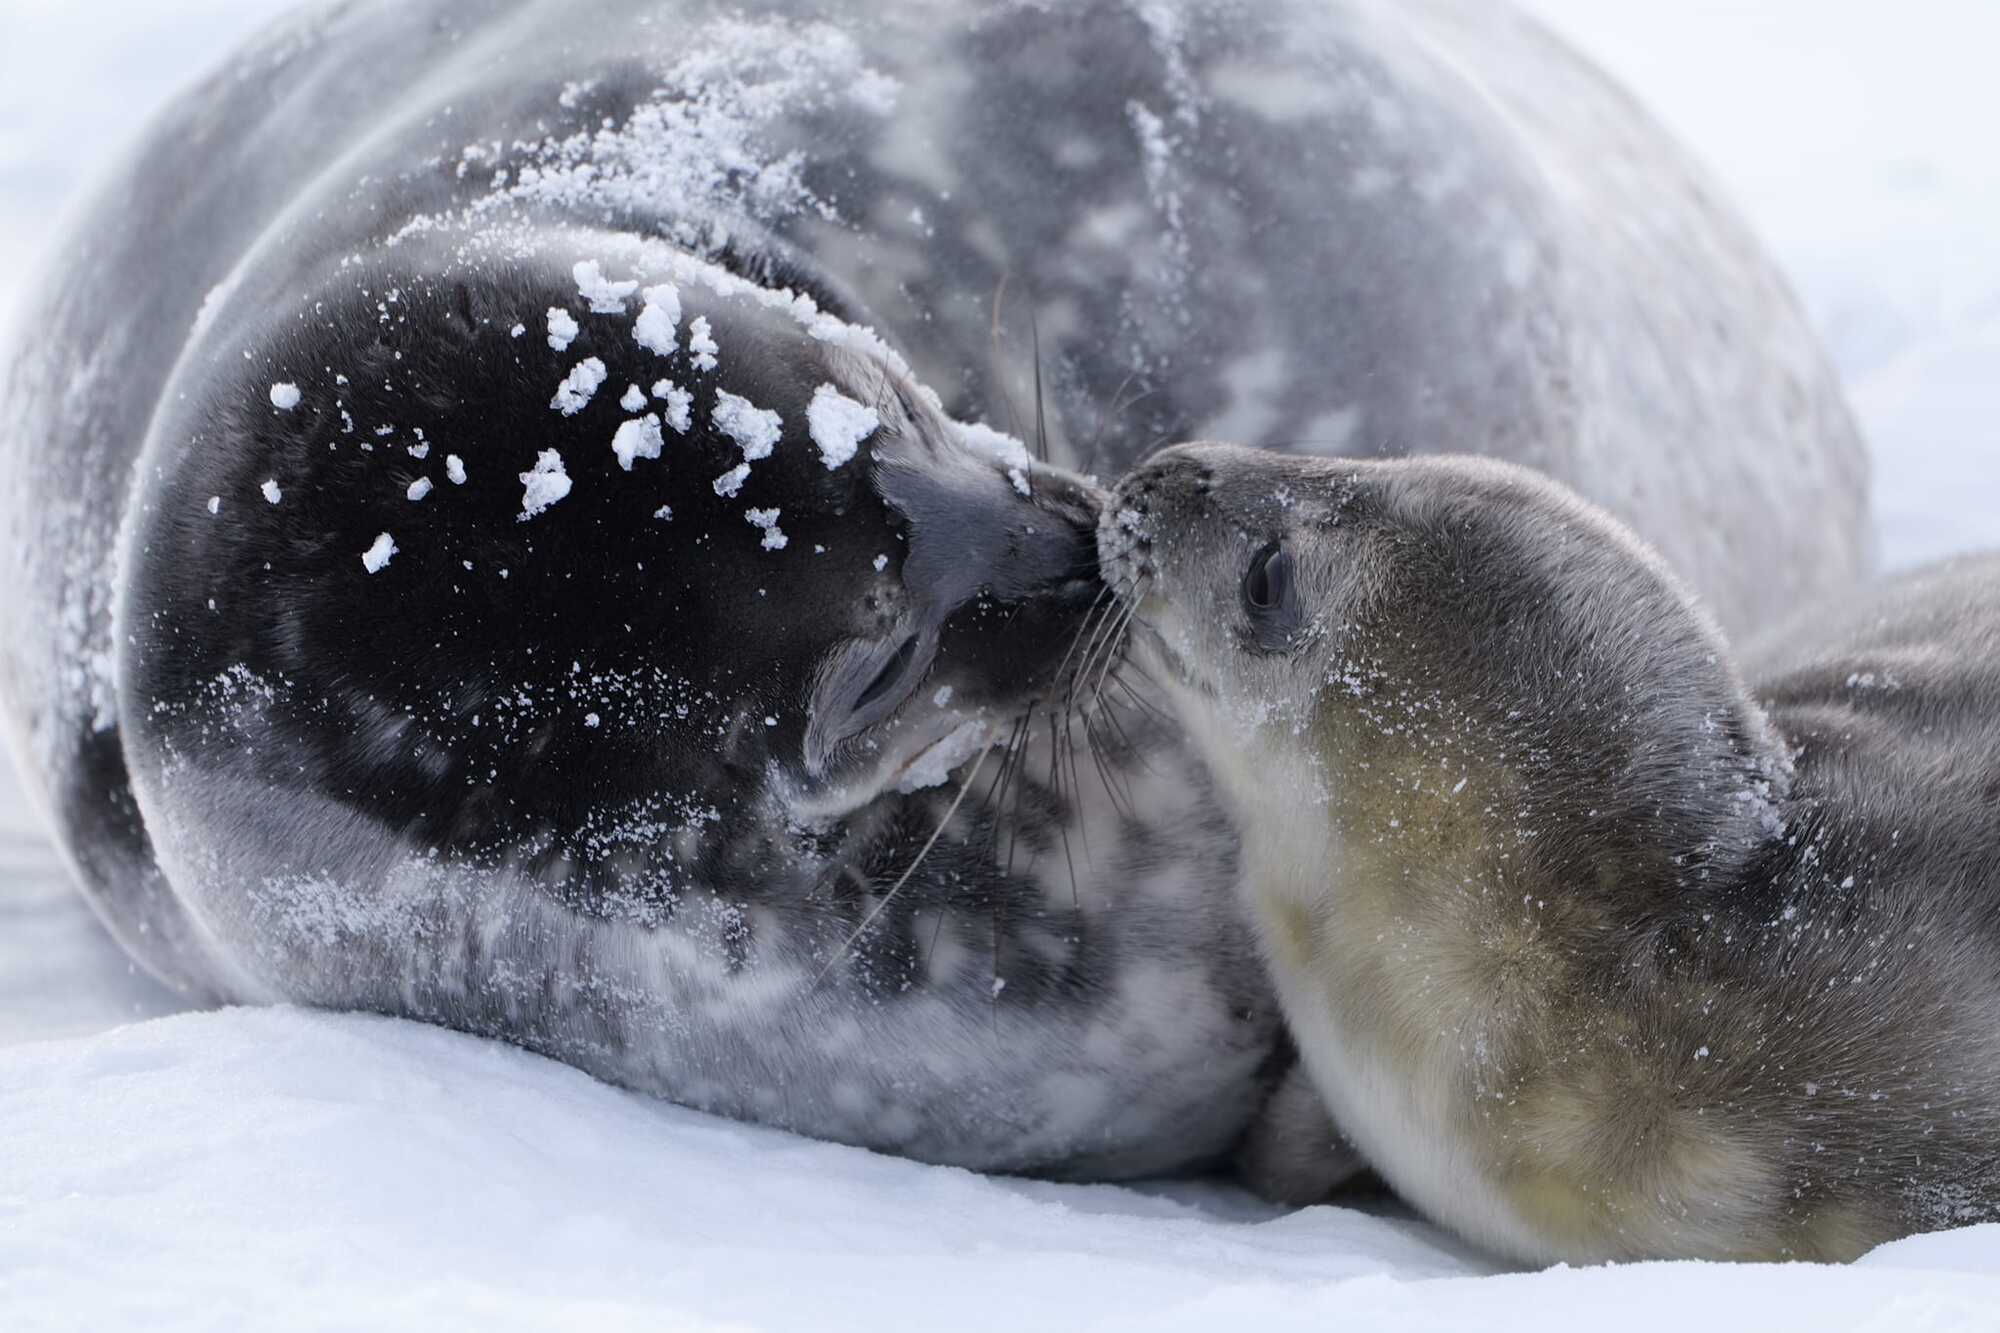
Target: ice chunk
{"x": 839, "y": 424}
{"x": 376, "y": 557}
{"x": 563, "y": 328}
{"x": 542, "y": 486}
{"x": 755, "y": 429}
{"x": 605, "y": 297}
{"x": 638, "y": 438}
{"x": 583, "y": 380}
{"x": 284, "y": 397}
{"x": 767, "y": 519}
{"x": 702, "y": 344}
{"x": 661, "y": 315}
{"x": 680, "y": 404}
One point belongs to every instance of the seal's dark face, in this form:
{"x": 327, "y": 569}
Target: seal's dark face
{"x": 514, "y": 557}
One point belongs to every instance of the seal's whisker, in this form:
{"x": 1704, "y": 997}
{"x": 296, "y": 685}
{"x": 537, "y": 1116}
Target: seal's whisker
{"x": 1107, "y": 657}
{"x": 1041, "y": 414}
{"x": 1106, "y": 775}
{"x": 876, "y": 912}
{"x": 1112, "y": 413}
{"x": 1063, "y": 813}
{"x": 1100, "y": 621}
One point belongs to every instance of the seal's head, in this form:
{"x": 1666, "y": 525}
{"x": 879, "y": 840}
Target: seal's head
{"x": 1344, "y": 632}
{"x": 549, "y": 551}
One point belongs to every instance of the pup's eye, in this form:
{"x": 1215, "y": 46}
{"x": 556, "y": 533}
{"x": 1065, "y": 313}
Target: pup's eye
{"x": 1269, "y": 579}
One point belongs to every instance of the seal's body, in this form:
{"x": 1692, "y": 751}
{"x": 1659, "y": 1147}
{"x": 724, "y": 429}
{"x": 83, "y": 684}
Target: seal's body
{"x": 1593, "y": 954}
{"x": 477, "y": 563}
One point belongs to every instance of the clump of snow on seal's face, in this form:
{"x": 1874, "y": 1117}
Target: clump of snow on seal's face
{"x": 732, "y": 481}
{"x": 419, "y": 488}
{"x": 702, "y": 344}
{"x": 563, "y": 328}
{"x": 284, "y": 397}
{"x": 544, "y": 485}
{"x": 605, "y": 297}
{"x": 658, "y": 319}
{"x": 376, "y": 557}
{"x": 680, "y": 404}
{"x": 839, "y": 424}
{"x": 583, "y": 380}
{"x": 767, "y": 519}
{"x": 755, "y": 429}
{"x": 634, "y": 399}
{"x": 1003, "y": 449}
{"x": 271, "y": 491}
{"x": 454, "y": 469}
{"x": 637, "y": 438}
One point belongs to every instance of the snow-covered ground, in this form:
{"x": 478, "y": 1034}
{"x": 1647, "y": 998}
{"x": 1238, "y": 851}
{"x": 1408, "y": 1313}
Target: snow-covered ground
{"x": 263, "y": 1168}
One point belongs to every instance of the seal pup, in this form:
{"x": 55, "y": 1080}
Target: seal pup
{"x": 1596, "y": 951}
{"x": 672, "y": 782}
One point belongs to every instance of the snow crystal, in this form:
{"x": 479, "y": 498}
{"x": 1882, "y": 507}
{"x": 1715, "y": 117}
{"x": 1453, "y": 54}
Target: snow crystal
{"x": 284, "y": 397}
{"x": 605, "y": 297}
{"x": 544, "y": 485}
{"x": 591, "y": 719}
{"x": 638, "y": 438}
{"x": 634, "y": 399}
{"x": 420, "y": 451}
{"x": 584, "y": 379}
{"x": 517, "y": 330}
{"x": 665, "y": 513}
{"x": 419, "y": 488}
{"x": 839, "y": 424}
{"x": 563, "y": 328}
{"x": 680, "y": 404}
{"x": 654, "y": 329}
{"x": 767, "y": 519}
{"x": 214, "y": 504}
{"x": 732, "y": 481}
{"x": 881, "y": 563}
{"x": 1020, "y": 480}
{"x": 377, "y": 555}
{"x": 454, "y": 469}
{"x": 271, "y": 491}
{"x": 753, "y": 428}
{"x": 702, "y": 344}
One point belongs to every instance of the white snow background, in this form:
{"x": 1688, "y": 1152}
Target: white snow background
{"x": 252, "y": 1169}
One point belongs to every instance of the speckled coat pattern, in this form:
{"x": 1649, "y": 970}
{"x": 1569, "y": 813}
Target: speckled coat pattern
{"x": 611, "y": 777}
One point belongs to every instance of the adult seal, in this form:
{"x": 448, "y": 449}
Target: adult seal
{"x": 1595, "y": 950}
{"x": 496, "y": 541}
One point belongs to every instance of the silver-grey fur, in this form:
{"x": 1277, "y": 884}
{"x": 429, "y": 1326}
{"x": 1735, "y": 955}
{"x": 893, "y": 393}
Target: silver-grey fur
{"x": 1597, "y": 951}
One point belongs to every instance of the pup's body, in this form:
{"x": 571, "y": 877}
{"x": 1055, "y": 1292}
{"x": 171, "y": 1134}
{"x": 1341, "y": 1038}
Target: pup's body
{"x": 1594, "y": 955}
